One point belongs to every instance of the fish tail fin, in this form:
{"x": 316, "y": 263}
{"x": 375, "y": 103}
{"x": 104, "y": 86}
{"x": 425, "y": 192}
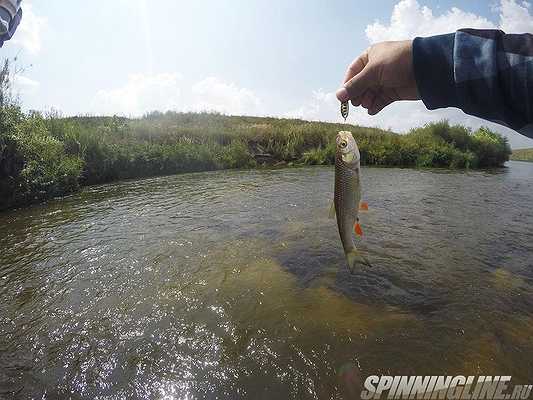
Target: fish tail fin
{"x": 353, "y": 257}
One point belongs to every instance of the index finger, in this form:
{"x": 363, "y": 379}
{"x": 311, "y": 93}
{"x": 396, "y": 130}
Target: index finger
{"x": 356, "y": 67}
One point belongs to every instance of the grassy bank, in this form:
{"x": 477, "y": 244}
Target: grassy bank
{"x": 43, "y": 156}
{"x": 522, "y": 155}
{"x": 46, "y": 156}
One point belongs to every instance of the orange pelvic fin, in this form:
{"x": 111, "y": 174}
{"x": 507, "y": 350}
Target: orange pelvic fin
{"x": 358, "y": 229}
{"x": 363, "y": 206}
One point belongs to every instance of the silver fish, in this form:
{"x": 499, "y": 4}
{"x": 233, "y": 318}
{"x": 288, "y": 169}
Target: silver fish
{"x": 347, "y": 201}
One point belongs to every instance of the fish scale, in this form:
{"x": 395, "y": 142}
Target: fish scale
{"x": 347, "y": 198}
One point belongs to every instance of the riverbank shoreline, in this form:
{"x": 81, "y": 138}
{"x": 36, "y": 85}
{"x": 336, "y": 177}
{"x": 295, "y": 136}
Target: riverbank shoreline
{"x": 525, "y": 155}
{"x": 265, "y": 169}
{"x": 47, "y": 156}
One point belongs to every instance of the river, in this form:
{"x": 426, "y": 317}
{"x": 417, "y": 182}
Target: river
{"x": 233, "y": 284}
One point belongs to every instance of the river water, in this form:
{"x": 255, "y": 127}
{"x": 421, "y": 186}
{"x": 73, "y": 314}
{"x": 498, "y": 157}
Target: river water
{"x": 233, "y": 285}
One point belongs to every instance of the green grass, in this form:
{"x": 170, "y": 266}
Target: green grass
{"x": 47, "y": 156}
{"x": 42, "y": 156}
{"x": 522, "y": 155}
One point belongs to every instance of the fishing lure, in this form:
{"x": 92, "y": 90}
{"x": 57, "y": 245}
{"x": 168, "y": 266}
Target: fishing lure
{"x": 345, "y": 110}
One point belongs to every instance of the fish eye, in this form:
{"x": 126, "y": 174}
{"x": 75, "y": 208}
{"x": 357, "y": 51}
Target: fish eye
{"x": 343, "y": 144}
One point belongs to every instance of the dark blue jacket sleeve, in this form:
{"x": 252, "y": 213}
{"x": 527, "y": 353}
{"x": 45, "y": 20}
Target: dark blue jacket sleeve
{"x": 485, "y": 73}
{"x": 13, "y": 25}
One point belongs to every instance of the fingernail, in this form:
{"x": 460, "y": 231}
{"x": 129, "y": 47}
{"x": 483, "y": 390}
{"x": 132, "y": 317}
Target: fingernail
{"x": 342, "y": 94}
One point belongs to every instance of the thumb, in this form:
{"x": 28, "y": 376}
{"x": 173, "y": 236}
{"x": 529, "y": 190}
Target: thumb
{"x": 358, "y": 85}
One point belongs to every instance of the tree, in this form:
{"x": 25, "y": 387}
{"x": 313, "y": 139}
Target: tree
{"x": 5, "y": 85}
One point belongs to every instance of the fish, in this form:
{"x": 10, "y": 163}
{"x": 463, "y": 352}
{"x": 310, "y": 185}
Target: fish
{"x": 347, "y": 198}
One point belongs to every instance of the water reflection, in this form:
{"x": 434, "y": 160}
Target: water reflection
{"x": 233, "y": 284}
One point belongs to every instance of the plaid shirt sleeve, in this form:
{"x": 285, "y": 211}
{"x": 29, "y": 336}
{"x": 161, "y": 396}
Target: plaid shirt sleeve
{"x": 485, "y": 73}
{"x": 13, "y": 25}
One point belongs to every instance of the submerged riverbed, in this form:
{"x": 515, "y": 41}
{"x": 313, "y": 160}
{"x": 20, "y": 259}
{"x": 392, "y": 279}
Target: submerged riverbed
{"x": 233, "y": 284}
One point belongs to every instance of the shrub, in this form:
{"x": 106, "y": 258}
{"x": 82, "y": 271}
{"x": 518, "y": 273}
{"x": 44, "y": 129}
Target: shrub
{"x": 235, "y": 155}
{"x": 492, "y": 149}
{"x": 46, "y": 156}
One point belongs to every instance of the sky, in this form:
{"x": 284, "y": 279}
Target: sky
{"x": 262, "y": 57}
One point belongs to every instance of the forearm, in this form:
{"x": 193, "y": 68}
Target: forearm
{"x": 485, "y": 73}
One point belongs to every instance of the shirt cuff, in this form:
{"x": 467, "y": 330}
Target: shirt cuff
{"x": 434, "y": 71}
{"x": 5, "y": 19}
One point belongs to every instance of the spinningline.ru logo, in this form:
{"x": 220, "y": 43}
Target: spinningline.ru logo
{"x": 443, "y": 387}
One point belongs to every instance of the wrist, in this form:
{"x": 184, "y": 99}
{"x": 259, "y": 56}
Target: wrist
{"x": 413, "y": 94}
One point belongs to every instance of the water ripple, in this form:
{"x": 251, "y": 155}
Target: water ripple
{"x": 233, "y": 284}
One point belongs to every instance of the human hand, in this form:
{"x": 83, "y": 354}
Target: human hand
{"x": 380, "y": 76}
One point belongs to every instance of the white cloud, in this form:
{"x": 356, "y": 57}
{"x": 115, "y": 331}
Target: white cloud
{"x": 30, "y": 31}
{"x": 212, "y": 94}
{"x": 515, "y": 17}
{"x": 24, "y": 82}
{"x": 322, "y": 106}
{"x": 141, "y": 93}
{"x": 22, "y": 86}
{"x": 167, "y": 91}
{"x": 410, "y": 19}
{"x": 399, "y": 117}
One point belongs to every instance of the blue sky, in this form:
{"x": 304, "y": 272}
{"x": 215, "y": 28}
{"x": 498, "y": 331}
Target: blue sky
{"x": 275, "y": 57}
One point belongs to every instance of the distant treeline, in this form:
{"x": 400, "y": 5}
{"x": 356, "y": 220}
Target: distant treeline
{"x": 43, "y": 156}
{"x": 522, "y": 155}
